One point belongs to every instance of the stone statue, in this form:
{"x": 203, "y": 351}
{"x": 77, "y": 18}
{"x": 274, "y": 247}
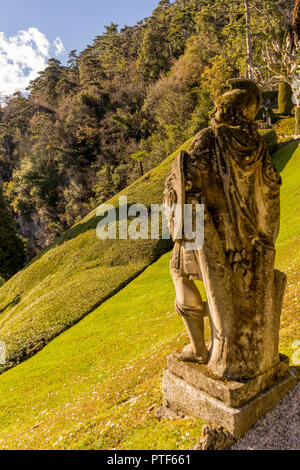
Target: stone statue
{"x": 228, "y": 169}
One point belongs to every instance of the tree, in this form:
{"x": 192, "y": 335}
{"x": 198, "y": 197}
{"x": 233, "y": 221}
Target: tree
{"x": 283, "y": 61}
{"x": 12, "y": 248}
{"x": 139, "y": 156}
{"x": 182, "y": 26}
{"x": 155, "y": 54}
{"x": 14, "y": 120}
{"x": 73, "y": 66}
{"x": 248, "y": 40}
{"x": 46, "y": 84}
{"x": 241, "y": 29}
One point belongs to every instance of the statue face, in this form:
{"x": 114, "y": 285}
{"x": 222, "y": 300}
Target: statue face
{"x": 216, "y": 115}
{"x": 220, "y": 116}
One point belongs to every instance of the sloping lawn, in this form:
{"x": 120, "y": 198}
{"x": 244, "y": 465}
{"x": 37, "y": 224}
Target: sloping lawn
{"x": 98, "y": 384}
{"x": 287, "y": 161}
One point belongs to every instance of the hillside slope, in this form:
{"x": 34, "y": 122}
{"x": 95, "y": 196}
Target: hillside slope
{"x": 97, "y": 385}
{"x": 75, "y": 275}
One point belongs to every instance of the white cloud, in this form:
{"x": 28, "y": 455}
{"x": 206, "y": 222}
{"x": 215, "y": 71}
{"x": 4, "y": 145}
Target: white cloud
{"x": 58, "y": 44}
{"x": 21, "y": 58}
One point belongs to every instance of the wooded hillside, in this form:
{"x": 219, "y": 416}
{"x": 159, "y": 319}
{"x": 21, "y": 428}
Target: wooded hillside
{"x": 88, "y": 129}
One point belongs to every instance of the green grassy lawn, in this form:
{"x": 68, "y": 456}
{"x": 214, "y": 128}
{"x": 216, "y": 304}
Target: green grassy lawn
{"x": 75, "y": 275}
{"x": 287, "y": 160}
{"x": 98, "y": 384}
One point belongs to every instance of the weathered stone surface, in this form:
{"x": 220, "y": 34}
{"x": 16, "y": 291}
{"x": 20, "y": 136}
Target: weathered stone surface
{"x": 232, "y": 393}
{"x": 214, "y": 439}
{"x": 181, "y": 396}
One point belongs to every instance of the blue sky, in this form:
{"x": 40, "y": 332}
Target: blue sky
{"x": 53, "y": 28}
{"x": 76, "y": 22}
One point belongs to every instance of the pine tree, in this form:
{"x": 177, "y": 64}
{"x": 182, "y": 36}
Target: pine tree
{"x": 12, "y": 249}
{"x": 155, "y": 55}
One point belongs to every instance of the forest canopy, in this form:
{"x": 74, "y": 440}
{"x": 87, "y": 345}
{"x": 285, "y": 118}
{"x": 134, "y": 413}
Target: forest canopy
{"x": 87, "y": 129}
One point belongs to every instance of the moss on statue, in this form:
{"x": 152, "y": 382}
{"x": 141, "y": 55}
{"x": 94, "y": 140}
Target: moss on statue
{"x": 238, "y": 106}
{"x": 270, "y": 137}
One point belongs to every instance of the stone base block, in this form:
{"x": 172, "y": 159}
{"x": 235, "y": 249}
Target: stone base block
{"x": 185, "y": 398}
{"x": 234, "y": 394}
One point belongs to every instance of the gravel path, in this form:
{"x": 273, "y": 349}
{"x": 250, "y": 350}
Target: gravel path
{"x": 279, "y": 429}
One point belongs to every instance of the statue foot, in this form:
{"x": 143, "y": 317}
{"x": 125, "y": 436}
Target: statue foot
{"x": 188, "y": 355}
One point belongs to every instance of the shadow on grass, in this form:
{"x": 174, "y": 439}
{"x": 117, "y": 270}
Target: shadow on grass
{"x": 161, "y": 245}
{"x": 73, "y": 232}
{"x": 13, "y": 303}
{"x": 282, "y": 156}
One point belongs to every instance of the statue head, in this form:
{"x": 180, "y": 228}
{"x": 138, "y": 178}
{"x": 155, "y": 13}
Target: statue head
{"x": 241, "y": 103}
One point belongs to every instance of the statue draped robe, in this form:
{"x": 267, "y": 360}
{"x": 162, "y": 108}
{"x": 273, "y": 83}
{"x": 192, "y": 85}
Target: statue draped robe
{"x": 229, "y": 170}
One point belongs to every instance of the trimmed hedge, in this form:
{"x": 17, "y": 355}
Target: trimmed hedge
{"x": 286, "y": 126}
{"x": 297, "y": 118}
{"x": 285, "y": 94}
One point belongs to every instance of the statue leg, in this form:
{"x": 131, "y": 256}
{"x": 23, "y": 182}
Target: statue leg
{"x": 190, "y": 307}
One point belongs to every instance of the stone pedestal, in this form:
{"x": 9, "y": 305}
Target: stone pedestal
{"x": 191, "y": 389}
